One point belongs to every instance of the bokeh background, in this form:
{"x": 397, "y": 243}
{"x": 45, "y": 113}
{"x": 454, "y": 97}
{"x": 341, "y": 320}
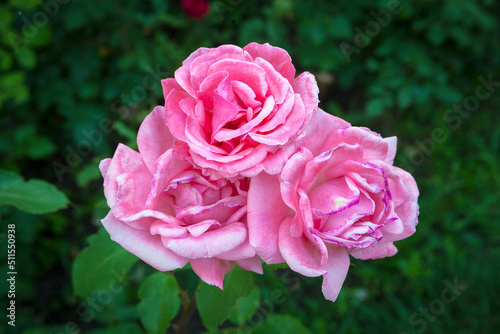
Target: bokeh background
{"x": 77, "y": 78}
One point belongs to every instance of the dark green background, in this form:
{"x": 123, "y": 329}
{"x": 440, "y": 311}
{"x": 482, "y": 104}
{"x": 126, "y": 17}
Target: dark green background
{"x": 77, "y": 72}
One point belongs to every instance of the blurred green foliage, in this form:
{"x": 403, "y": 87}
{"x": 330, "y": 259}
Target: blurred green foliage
{"x": 77, "y": 77}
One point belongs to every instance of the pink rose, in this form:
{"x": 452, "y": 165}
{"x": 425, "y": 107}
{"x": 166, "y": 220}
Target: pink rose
{"x": 338, "y": 195}
{"x": 195, "y": 9}
{"x": 237, "y": 112}
{"x": 167, "y": 213}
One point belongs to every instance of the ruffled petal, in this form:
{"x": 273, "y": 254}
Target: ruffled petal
{"x": 167, "y": 167}
{"x": 282, "y": 133}
{"x": 133, "y": 190}
{"x": 147, "y": 247}
{"x": 177, "y": 106}
{"x": 211, "y": 271}
{"x": 104, "y": 166}
{"x": 299, "y": 253}
{"x": 379, "y": 251}
{"x": 318, "y": 129}
{"x": 125, "y": 160}
{"x": 153, "y": 138}
{"x": 374, "y": 146}
{"x": 279, "y": 58}
{"x": 210, "y": 244}
{"x": 251, "y": 264}
{"x": 200, "y": 65}
{"x": 336, "y": 271}
{"x": 305, "y": 85}
{"x": 183, "y": 74}
{"x": 266, "y": 211}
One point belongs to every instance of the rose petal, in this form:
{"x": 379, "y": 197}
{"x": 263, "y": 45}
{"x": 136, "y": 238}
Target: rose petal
{"x": 133, "y": 190}
{"x": 209, "y": 85}
{"x": 153, "y": 138}
{"x": 200, "y": 66}
{"x": 209, "y": 244}
{"x": 198, "y": 229}
{"x": 278, "y": 86}
{"x": 374, "y": 252}
{"x": 391, "y": 152}
{"x": 333, "y": 196}
{"x": 291, "y": 176}
{"x": 220, "y": 211}
{"x": 251, "y": 264}
{"x": 177, "y": 106}
{"x": 167, "y": 167}
{"x": 147, "y": 247}
{"x": 104, "y": 166}
{"x": 211, "y": 271}
{"x": 374, "y": 146}
{"x": 279, "y": 58}
{"x": 183, "y": 74}
{"x": 167, "y": 230}
{"x": 318, "y": 129}
{"x": 243, "y": 251}
{"x": 228, "y": 134}
{"x": 266, "y": 211}
{"x": 282, "y": 133}
{"x": 299, "y": 253}
{"x": 305, "y": 85}
{"x": 125, "y": 160}
{"x": 246, "y": 95}
{"x": 336, "y": 271}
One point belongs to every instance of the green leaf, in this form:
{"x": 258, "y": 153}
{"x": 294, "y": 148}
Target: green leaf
{"x": 281, "y": 324}
{"x": 127, "y": 327}
{"x": 5, "y": 18}
{"x": 63, "y": 328}
{"x": 42, "y": 37}
{"x": 126, "y": 132}
{"x": 101, "y": 266}
{"x": 405, "y": 97}
{"x": 250, "y": 30}
{"x": 160, "y": 302}
{"x": 375, "y": 107}
{"x": 24, "y": 4}
{"x": 340, "y": 27}
{"x": 26, "y": 58}
{"x": 283, "y": 265}
{"x": 447, "y": 94}
{"x": 34, "y": 196}
{"x": 245, "y": 307}
{"x": 12, "y": 87}
{"x": 5, "y": 60}
{"x": 237, "y": 284}
{"x": 88, "y": 174}
{"x": 74, "y": 18}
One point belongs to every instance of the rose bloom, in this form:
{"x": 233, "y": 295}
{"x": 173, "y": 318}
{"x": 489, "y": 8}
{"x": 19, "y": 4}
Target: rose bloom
{"x": 338, "y": 195}
{"x": 236, "y": 112}
{"x": 167, "y": 213}
{"x": 195, "y": 9}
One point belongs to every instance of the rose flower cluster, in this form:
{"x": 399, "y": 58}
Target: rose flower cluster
{"x": 241, "y": 166}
